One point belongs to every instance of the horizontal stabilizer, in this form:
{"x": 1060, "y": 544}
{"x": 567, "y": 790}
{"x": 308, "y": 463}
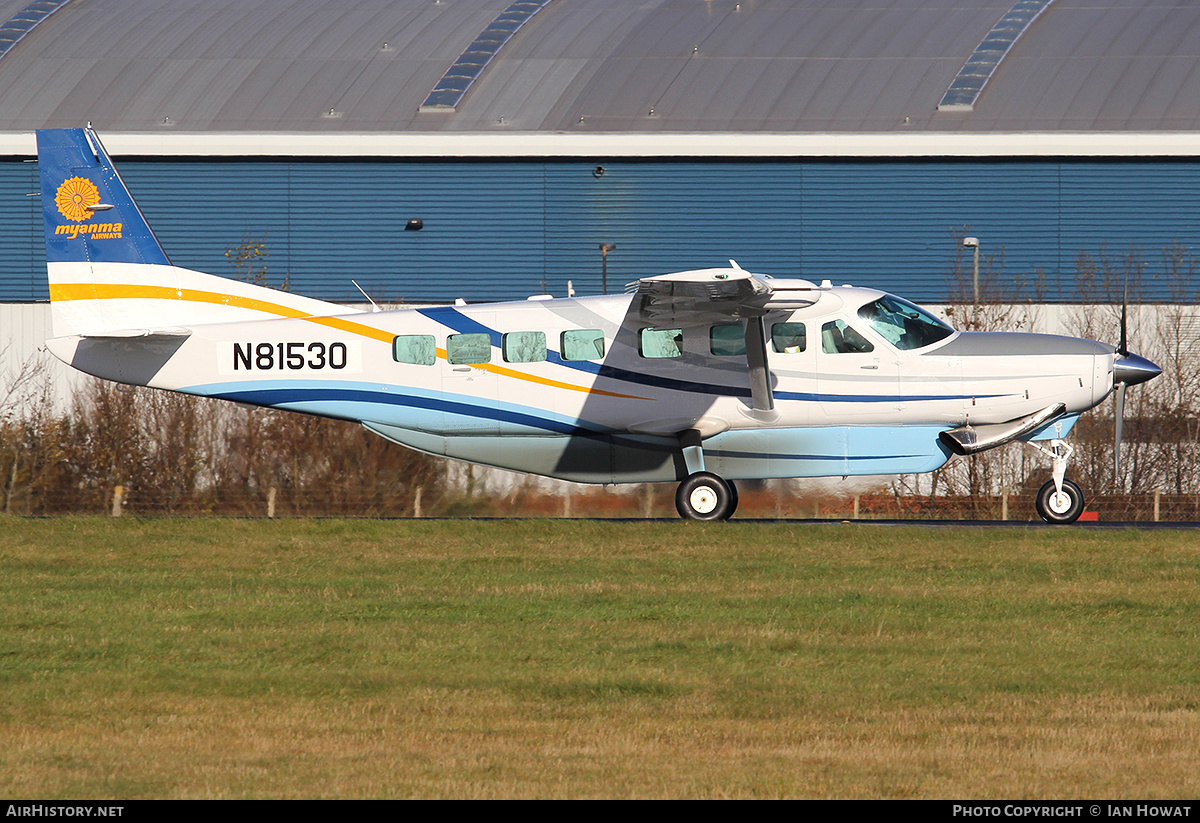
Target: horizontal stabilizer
{"x": 141, "y": 334}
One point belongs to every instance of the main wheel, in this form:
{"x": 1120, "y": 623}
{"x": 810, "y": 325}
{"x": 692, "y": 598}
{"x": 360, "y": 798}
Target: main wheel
{"x": 1055, "y": 507}
{"x": 704, "y": 496}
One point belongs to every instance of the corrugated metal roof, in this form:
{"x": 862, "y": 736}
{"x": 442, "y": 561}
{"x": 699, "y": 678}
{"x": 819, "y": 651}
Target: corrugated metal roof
{"x": 601, "y": 66}
{"x": 1115, "y": 66}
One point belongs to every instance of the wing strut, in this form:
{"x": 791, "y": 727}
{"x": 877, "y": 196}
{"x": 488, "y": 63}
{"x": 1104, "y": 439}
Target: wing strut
{"x": 756, "y": 359}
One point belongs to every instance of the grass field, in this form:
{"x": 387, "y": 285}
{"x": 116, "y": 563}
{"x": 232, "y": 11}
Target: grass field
{"x": 351, "y": 658}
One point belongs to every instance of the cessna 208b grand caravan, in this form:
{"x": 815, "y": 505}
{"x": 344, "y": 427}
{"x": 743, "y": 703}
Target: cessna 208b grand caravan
{"x": 701, "y": 377}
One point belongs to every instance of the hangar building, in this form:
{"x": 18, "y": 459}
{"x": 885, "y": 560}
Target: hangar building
{"x": 855, "y": 140}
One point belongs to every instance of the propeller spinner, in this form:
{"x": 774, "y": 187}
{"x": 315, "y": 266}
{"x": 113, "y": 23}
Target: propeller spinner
{"x": 1128, "y": 370}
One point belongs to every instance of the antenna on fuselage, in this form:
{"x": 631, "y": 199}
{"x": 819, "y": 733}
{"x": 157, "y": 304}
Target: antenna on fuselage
{"x": 374, "y": 307}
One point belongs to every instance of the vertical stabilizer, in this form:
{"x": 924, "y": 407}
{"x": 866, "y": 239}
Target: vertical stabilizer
{"x": 89, "y": 215}
{"x": 106, "y": 268}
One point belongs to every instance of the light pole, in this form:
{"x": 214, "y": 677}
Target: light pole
{"x": 973, "y": 244}
{"x": 605, "y": 248}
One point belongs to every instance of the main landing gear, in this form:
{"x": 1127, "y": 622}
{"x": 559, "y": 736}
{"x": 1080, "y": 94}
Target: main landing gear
{"x": 1058, "y": 500}
{"x": 702, "y": 495}
{"x": 705, "y": 496}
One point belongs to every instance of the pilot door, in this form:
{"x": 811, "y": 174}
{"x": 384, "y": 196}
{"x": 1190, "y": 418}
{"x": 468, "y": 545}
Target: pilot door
{"x": 858, "y": 378}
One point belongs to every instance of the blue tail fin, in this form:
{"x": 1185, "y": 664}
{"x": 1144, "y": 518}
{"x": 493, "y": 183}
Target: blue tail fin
{"x": 89, "y": 215}
{"x": 107, "y": 273}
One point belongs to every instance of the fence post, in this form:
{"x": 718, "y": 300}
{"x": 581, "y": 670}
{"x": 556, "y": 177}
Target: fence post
{"x": 117, "y": 500}
{"x": 1004, "y": 504}
{"x": 417, "y": 502}
{"x": 1157, "y": 494}
{"x": 12, "y": 481}
{"x": 856, "y": 507}
{"x": 271, "y": 503}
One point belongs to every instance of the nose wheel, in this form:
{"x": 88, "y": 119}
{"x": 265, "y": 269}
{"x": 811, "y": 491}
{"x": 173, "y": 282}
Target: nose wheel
{"x": 1060, "y": 506}
{"x": 1059, "y": 500}
{"x": 705, "y": 496}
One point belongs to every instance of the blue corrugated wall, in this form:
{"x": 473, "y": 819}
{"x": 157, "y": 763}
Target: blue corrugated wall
{"x": 504, "y": 230}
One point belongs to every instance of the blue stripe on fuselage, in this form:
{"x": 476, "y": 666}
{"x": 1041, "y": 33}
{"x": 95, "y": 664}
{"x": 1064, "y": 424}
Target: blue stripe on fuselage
{"x": 298, "y": 394}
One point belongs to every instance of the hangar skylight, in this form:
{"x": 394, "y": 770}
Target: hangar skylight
{"x": 457, "y": 80}
{"x": 982, "y": 64}
{"x": 23, "y": 21}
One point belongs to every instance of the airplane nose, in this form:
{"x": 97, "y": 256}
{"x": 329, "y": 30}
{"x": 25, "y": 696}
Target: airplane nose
{"x": 1132, "y": 369}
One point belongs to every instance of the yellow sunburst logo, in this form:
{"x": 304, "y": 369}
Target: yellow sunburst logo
{"x": 76, "y": 197}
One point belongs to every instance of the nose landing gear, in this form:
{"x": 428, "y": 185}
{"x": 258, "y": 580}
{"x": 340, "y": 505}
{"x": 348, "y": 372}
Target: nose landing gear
{"x": 1055, "y": 506}
{"x": 1059, "y": 500}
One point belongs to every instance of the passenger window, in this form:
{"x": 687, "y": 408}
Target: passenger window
{"x": 467, "y": 349}
{"x": 788, "y": 337}
{"x": 418, "y": 349}
{"x": 727, "y": 340}
{"x": 524, "y": 347}
{"x": 583, "y": 344}
{"x": 839, "y": 338}
{"x": 660, "y": 343}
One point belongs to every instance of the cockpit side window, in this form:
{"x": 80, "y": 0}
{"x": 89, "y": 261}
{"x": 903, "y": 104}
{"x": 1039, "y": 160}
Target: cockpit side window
{"x": 902, "y": 324}
{"x": 839, "y": 337}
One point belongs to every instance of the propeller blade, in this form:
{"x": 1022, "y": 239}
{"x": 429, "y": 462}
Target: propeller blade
{"x": 1119, "y": 426}
{"x": 1123, "y": 348}
{"x": 1119, "y": 386}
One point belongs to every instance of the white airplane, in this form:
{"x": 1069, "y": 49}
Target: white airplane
{"x": 702, "y": 377}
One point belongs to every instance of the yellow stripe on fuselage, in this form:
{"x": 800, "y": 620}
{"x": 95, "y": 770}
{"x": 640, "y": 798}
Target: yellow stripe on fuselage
{"x": 123, "y": 291}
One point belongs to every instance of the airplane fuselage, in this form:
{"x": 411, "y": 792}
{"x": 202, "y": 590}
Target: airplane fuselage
{"x": 584, "y": 389}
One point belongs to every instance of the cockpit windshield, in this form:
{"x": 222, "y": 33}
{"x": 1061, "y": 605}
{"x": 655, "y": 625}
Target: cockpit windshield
{"x": 902, "y": 324}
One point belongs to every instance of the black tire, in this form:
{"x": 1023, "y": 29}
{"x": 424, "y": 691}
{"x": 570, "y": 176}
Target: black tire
{"x": 704, "y": 496}
{"x": 1059, "y": 510}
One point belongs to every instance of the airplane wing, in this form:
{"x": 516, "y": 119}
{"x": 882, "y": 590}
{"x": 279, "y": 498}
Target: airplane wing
{"x": 694, "y": 297}
{"x": 713, "y": 293}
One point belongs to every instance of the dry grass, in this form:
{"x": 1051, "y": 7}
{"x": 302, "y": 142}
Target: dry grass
{"x": 536, "y": 659}
{"x": 441, "y": 745}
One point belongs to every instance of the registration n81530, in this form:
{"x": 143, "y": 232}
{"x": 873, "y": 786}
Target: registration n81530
{"x": 290, "y": 357}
